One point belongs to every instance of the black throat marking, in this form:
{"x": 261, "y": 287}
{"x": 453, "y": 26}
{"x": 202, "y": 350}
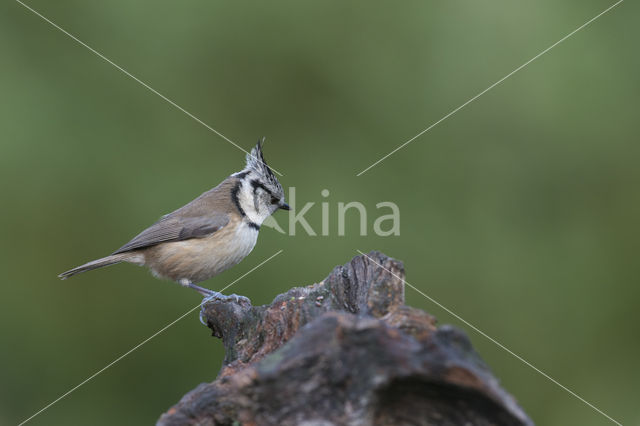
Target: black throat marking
{"x": 236, "y": 200}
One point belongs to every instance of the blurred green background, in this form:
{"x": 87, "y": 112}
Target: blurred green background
{"x": 520, "y": 212}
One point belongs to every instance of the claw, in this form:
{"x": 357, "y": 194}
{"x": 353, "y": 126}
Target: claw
{"x": 201, "y": 316}
{"x": 241, "y": 299}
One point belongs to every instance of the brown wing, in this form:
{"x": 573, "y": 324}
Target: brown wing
{"x": 172, "y": 228}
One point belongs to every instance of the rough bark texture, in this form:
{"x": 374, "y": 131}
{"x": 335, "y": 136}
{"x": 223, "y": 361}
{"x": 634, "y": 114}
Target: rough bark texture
{"x": 345, "y": 351}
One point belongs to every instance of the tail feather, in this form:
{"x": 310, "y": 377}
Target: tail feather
{"x": 98, "y": 263}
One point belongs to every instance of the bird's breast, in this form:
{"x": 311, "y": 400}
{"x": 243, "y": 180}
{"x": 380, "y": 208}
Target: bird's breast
{"x": 199, "y": 259}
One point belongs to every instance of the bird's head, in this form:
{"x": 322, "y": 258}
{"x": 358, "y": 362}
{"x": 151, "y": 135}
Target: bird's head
{"x": 261, "y": 193}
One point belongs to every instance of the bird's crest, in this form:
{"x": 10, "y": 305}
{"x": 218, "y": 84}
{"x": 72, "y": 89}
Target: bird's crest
{"x": 257, "y": 163}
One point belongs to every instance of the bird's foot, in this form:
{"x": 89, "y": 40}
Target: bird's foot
{"x": 214, "y": 295}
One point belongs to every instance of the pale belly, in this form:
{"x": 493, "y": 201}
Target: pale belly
{"x": 199, "y": 259}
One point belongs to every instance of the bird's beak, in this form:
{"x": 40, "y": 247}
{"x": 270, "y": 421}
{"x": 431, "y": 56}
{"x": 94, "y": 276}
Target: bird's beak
{"x": 285, "y": 206}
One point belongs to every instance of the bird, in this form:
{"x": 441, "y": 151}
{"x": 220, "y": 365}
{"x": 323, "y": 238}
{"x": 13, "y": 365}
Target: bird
{"x": 207, "y": 236}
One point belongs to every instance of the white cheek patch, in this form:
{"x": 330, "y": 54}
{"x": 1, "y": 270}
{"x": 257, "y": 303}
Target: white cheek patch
{"x": 248, "y": 204}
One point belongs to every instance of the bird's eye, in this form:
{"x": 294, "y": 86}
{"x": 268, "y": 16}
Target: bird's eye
{"x": 274, "y": 200}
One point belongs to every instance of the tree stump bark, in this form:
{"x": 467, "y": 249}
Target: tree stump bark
{"x": 345, "y": 351}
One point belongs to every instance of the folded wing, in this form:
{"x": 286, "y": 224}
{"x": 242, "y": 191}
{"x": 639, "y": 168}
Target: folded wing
{"x": 171, "y": 228}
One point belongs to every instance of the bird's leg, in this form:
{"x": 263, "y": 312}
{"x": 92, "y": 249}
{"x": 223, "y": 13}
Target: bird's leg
{"x": 203, "y": 291}
{"x": 213, "y": 295}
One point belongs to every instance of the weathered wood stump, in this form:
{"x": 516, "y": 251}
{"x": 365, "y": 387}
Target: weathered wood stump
{"x": 345, "y": 351}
